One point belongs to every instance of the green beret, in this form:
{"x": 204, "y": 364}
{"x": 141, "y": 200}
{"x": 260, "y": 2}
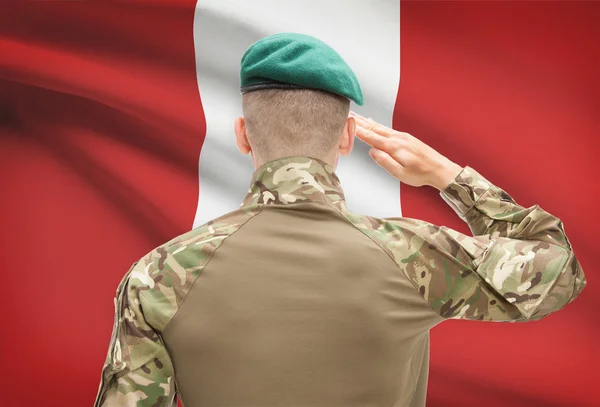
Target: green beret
{"x": 293, "y": 60}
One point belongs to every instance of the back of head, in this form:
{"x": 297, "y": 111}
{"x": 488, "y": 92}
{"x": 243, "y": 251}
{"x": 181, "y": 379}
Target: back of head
{"x": 288, "y": 122}
{"x": 296, "y": 93}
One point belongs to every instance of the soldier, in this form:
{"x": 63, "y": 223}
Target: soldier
{"x": 293, "y": 300}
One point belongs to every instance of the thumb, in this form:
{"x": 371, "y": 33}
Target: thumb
{"x": 387, "y": 162}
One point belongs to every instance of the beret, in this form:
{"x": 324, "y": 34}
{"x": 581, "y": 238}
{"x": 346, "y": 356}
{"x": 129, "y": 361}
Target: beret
{"x": 291, "y": 60}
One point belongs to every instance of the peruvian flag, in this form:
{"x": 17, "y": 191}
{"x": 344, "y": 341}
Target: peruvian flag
{"x": 116, "y": 135}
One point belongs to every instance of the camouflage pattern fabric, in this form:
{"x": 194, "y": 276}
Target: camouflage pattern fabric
{"x": 518, "y": 266}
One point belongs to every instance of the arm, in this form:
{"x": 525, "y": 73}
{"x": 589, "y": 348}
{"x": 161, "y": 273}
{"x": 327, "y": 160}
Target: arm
{"x": 518, "y": 266}
{"x": 138, "y": 371}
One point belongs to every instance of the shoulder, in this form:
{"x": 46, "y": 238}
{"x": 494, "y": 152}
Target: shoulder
{"x": 438, "y": 261}
{"x": 402, "y": 237}
{"x": 418, "y": 246}
{"x": 161, "y": 279}
{"x": 389, "y": 233}
{"x": 206, "y": 237}
{"x": 392, "y": 234}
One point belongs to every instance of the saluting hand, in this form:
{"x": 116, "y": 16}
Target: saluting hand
{"x": 405, "y": 157}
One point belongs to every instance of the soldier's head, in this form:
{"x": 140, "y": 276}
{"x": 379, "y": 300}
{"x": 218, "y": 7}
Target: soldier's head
{"x": 286, "y": 122}
{"x": 296, "y": 93}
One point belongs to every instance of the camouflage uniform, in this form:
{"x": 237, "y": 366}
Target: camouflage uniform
{"x": 292, "y": 300}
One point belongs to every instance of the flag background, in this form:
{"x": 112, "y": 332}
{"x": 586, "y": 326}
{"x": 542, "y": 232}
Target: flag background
{"x": 101, "y": 127}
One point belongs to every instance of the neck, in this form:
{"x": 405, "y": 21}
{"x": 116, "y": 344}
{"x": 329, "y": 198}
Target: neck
{"x": 330, "y": 159}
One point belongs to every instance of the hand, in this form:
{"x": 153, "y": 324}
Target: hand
{"x": 405, "y": 157}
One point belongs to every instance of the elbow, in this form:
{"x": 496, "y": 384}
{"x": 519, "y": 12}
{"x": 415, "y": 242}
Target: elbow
{"x": 571, "y": 282}
{"x": 565, "y": 288}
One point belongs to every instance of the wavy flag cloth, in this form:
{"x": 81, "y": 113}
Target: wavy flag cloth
{"x": 116, "y": 134}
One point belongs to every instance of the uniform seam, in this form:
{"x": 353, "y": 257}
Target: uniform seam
{"x": 207, "y": 263}
{"x": 391, "y": 258}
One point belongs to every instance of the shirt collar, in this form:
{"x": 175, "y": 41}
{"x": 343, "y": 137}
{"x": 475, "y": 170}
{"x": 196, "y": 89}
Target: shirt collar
{"x": 294, "y": 179}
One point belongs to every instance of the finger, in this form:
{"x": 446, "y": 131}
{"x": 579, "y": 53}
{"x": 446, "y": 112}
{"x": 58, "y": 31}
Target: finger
{"x": 372, "y": 125}
{"x": 363, "y": 121}
{"x": 373, "y": 139}
{"x": 387, "y": 162}
{"x": 379, "y": 128}
{"x": 357, "y": 116}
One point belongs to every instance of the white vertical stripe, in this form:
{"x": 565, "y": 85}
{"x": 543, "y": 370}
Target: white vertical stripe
{"x": 367, "y": 36}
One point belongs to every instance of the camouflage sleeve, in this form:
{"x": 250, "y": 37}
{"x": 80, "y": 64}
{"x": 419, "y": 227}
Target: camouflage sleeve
{"x": 137, "y": 371}
{"x": 518, "y": 266}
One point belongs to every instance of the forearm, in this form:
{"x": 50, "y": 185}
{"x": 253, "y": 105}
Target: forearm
{"x": 530, "y": 258}
{"x": 138, "y": 370}
{"x": 489, "y": 210}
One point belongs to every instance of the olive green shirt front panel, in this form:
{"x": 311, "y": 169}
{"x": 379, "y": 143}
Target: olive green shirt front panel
{"x": 300, "y": 308}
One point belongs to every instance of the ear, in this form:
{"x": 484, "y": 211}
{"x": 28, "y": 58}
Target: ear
{"x": 241, "y": 138}
{"x": 347, "y": 139}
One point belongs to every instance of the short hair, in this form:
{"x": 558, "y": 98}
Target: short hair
{"x": 289, "y": 122}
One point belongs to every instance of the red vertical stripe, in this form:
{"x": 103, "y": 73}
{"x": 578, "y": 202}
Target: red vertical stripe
{"x": 101, "y": 128}
{"x": 511, "y": 89}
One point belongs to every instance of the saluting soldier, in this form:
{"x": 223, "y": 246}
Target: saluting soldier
{"x": 293, "y": 300}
